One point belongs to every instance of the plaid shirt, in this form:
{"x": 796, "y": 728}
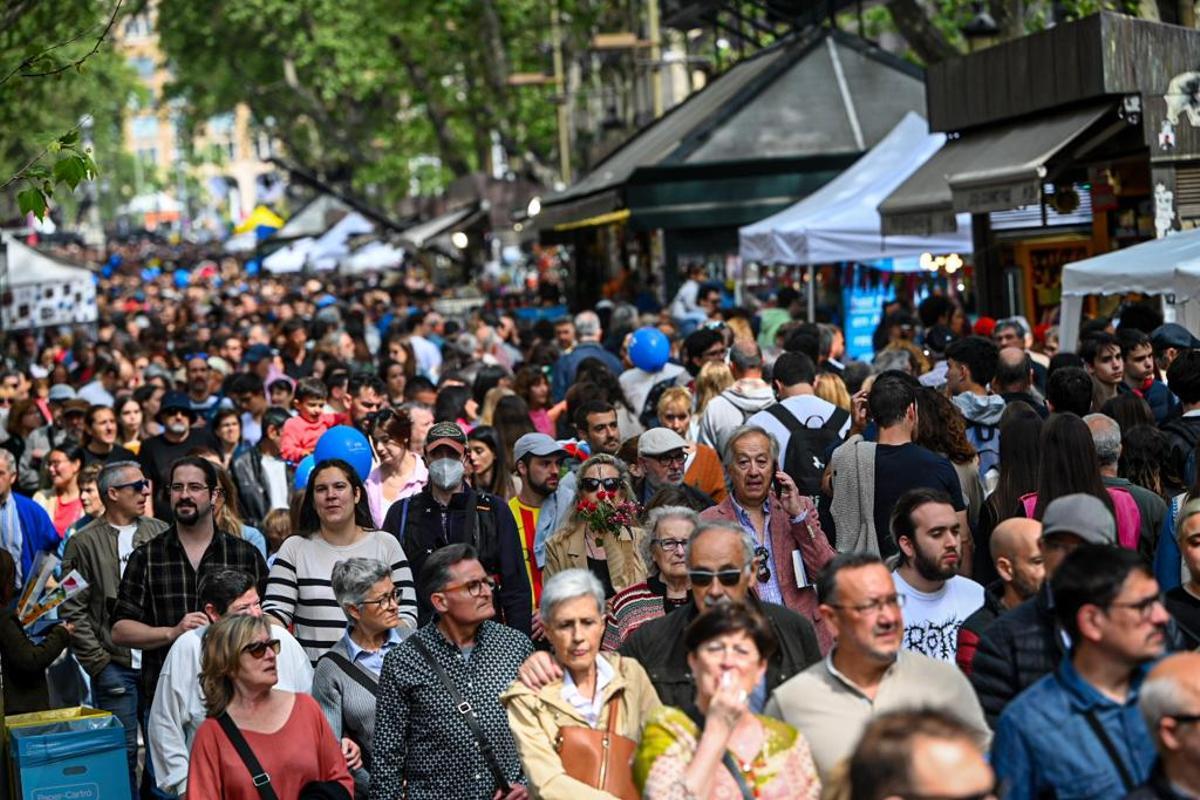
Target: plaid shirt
{"x": 159, "y": 587}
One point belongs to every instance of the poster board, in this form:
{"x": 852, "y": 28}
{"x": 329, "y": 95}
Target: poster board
{"x": 37, "y": 291}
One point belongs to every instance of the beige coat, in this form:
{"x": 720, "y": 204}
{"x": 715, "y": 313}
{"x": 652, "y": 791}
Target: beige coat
{"x": 566, "y": 549}
{"x": 536, "y": 717}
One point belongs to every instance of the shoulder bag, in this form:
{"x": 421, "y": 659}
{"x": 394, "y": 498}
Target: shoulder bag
{"x": 313, "y": 790}
{"x": 464, "y": 709}
{"x": 352, "y": 671}
{"x": 603, "y": 759}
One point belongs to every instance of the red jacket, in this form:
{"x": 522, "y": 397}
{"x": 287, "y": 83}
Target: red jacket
{"x": 299, "y": 436}
{"x": 785, "y": 538}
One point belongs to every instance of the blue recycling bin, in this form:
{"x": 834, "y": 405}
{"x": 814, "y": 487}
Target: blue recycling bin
{"x": 79, "y": 759}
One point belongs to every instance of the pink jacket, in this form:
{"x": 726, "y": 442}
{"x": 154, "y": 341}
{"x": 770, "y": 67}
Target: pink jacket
{"x": 785, "y": 538}
{"x": 1129, "y": 518}
{"x": 299, "y": 436}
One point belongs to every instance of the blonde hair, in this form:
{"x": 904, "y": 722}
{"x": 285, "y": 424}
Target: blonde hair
{"x": 831, "y": 388}
{"x": 740, "y": 328}
{"x": 490, "y": 400}
{"x": 220, "y": 656}
{"x": 676, "y": 395}
{"x": 714, "y": 378}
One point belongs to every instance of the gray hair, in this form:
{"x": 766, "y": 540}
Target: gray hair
{"x": 748, "y": 543}
{"x": 742, "y": 432}
{"x": 353, "y": 578}
{"x": 567, "y": 585}
{"x": 745, "y": 355}
{"x": 888, "y": 360}
{"x": 827, "y": 333}
{"x": 656, "y": 516}
{"x": 1107, "y": 437}
{"x": 10, "y": 461}
{"x": 1160, "y": 697}
{"x": 112, "y": 475}
{"x": 587, "y": 325}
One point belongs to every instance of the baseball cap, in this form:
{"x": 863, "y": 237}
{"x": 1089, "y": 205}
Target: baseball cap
{"x": 156, "y": 371}
{"x": 446, "y": 433}
{"x": 174, "y": 401}
{"x": 60, "y": 392}
{"x": 657, "y": 441}
{"x": 257, "y": 352}
{"x": 1173, "y": 335}
{"x": 536, "y": 444}
{"x": 219, "y": 364}
{"x": 1083, "y": 515}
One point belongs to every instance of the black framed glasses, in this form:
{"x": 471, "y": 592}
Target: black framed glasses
{"x": 762, "y": 561}
{"x": 1144, "y": 607}
{"x": 703, "y": 577}
{"x": 1185, "y": 718}
{"x": 392, "y": 598}
{"x": 259, "y": 649}
{"x": 671, "y": 544}
{"x": 594, "y": 484}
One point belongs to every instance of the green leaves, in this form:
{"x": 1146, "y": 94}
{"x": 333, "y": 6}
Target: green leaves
{"x": 32, "y": 200}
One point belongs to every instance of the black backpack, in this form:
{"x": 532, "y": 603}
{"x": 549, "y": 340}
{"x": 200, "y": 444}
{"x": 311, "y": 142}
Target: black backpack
{"x": 649, "y": 414}
{"x": 804, "y": 460}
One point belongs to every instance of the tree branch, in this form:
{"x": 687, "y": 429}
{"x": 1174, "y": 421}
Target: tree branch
{"x": 922, "y": 36}
{"x": 21, "y": 68}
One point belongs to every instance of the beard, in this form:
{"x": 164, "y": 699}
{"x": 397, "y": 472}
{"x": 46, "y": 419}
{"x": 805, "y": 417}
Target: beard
{"x": 188, "y": 512}
{"x": 542, "y": 489}
{"x": 931, "y": 569}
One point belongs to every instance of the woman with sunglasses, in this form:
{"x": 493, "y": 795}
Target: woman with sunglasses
{"x": 401, "y": 472}
{"x": 717, "y": 747}
{"x": 286, "y": 732}
{"x": 335, "y": 524}
{"x": 613, "y": 558}
{"x": 347, "y": 677}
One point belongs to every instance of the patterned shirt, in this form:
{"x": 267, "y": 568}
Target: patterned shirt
{"x": 768, "y": 591}
{"x": 419, "y": 736}
{"x": 159, "y": 587}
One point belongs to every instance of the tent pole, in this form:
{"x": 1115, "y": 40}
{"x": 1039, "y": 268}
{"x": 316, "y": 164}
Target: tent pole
{"x": 812, "y": 293}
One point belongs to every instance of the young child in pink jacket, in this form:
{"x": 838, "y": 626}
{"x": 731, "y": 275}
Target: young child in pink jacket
{"x": 301, "y": 432}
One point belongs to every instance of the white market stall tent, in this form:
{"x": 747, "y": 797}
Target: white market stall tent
{"x": 40, "y": 291}
{"x": 1169, "y": 267}
{"x": 840, "y": 221}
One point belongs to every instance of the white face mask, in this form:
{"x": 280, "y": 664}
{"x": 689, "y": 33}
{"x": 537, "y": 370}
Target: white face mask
{"x": 446, "y": 473}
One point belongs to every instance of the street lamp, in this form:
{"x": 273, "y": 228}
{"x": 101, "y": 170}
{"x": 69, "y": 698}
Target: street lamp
{"x": 981, "y": 32}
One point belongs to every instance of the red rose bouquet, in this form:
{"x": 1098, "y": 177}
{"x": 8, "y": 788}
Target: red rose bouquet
{"x": 608, "y": 515}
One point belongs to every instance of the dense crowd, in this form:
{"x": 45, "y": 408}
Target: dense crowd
{"x": 339, "y": 544}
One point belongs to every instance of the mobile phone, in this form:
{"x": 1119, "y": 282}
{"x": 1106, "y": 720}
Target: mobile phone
{"x": 776, "y": 486}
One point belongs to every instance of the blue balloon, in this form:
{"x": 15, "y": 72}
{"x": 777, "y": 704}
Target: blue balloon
{"x": 348, "y": 444}
{"x": 649, "y": 349}
{"x": 303, "y": 470}
{"x": 182, "y": 276}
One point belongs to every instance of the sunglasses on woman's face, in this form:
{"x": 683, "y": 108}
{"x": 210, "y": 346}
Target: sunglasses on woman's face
{"x": 259, "y": 649}
{"x": 594, "y": 484}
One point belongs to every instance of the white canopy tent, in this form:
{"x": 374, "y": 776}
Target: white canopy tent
{"x": 290, "y": 258}
{"x": 840, "y": 221}
{"x": 1169, "y": 267}
{"x": 42, "y": 291}
{"x": 376, "y": 255}
{"x": 333, "y": 245}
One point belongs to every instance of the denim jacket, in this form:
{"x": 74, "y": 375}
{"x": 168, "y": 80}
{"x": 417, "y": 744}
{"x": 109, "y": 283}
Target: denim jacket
{"x": 1044, "y": 746}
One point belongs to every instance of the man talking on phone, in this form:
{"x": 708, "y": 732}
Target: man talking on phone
{"x": 790, "y": 549}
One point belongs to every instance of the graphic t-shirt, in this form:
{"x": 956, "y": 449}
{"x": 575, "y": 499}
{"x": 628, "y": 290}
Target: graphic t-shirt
{"x": 527, "y": 520}
{"x": 932, "y": 619}
{"x": 124, "y": 551}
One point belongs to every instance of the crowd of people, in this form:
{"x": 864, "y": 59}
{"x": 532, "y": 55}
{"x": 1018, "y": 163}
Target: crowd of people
{"x": 969, "y": 568}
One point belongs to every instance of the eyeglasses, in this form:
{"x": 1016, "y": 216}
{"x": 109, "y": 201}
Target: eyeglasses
{"x": 727, "y": 577}
{"x": 188, "y": 488}
{"x": 594, "y": 484}
{"x": 259, "y": 649}
{"x": 666, "y": 459}
{"x": 1185, "y": 718}
{"x": 717, "y": 352}
{"x": 762, "y": 558}
{"x": 474, "y": 587}
{"x": 392, "y": 598}
{"x": 1144, "y": 607}
{"x": 138, "y": 486}
{"x": 671, "y": 544}
{"x": 875, "y": 606}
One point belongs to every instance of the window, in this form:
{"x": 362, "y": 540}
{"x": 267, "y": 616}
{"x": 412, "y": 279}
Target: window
{"x": 144, "y": 66}
{"x": 145, "y": 126}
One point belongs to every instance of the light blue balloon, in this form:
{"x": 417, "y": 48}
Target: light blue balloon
{"x": 348, "y": 444}
{"x": 649, "y": 349}
{"x": 303, "y": 470}
{"x": 182, "y": 276}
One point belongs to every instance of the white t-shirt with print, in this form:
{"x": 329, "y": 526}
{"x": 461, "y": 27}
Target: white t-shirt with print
{"x": 932, "y": 619}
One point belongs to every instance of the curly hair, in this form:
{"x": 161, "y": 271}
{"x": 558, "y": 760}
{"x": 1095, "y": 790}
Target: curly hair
{"x": 941, "y": 427}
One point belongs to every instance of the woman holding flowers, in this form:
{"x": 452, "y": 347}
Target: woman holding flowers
{"x": 601, "y": 534}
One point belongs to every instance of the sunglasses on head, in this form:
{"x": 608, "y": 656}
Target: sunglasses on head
{"x": 594, "y": 484}
{"x": 703, "y": 577}
{"x": 259, "y": 649}
{"x": 762, "y": 559}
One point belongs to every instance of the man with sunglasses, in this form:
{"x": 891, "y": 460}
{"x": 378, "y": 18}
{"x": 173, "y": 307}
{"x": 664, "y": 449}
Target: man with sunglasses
{"x": 662, "y": 455}
{"x": 99, "y": 551}
{"x": 1078, "y": 732}
{"x": 867, "y": 674}
{"x": 720, "y": 559}
{"x": 1170, "y": 702}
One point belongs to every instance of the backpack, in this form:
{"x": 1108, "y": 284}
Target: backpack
{"x": 985, "y": 439}
{"x": 804, "y": 460}
{"x": 649, "y": 416}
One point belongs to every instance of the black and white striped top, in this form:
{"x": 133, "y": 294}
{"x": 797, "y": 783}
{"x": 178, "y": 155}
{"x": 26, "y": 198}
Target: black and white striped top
{"x": 300, "y": 592}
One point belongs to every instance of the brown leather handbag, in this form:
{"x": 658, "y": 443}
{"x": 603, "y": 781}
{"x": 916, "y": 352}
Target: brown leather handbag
{"x": 601, "y": 759}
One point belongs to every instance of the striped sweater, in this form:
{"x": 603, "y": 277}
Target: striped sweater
{"x": 300, "y": 592}
{"x": 633, "y": 607}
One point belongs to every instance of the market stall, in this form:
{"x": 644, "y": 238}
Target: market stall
{"x": 38, "y": 291}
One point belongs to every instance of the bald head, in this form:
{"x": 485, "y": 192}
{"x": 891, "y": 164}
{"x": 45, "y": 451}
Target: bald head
{"x": 1172, "y": 689}
{"x": 1012, "y": 370}
{"x": 1018, "y": 558}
